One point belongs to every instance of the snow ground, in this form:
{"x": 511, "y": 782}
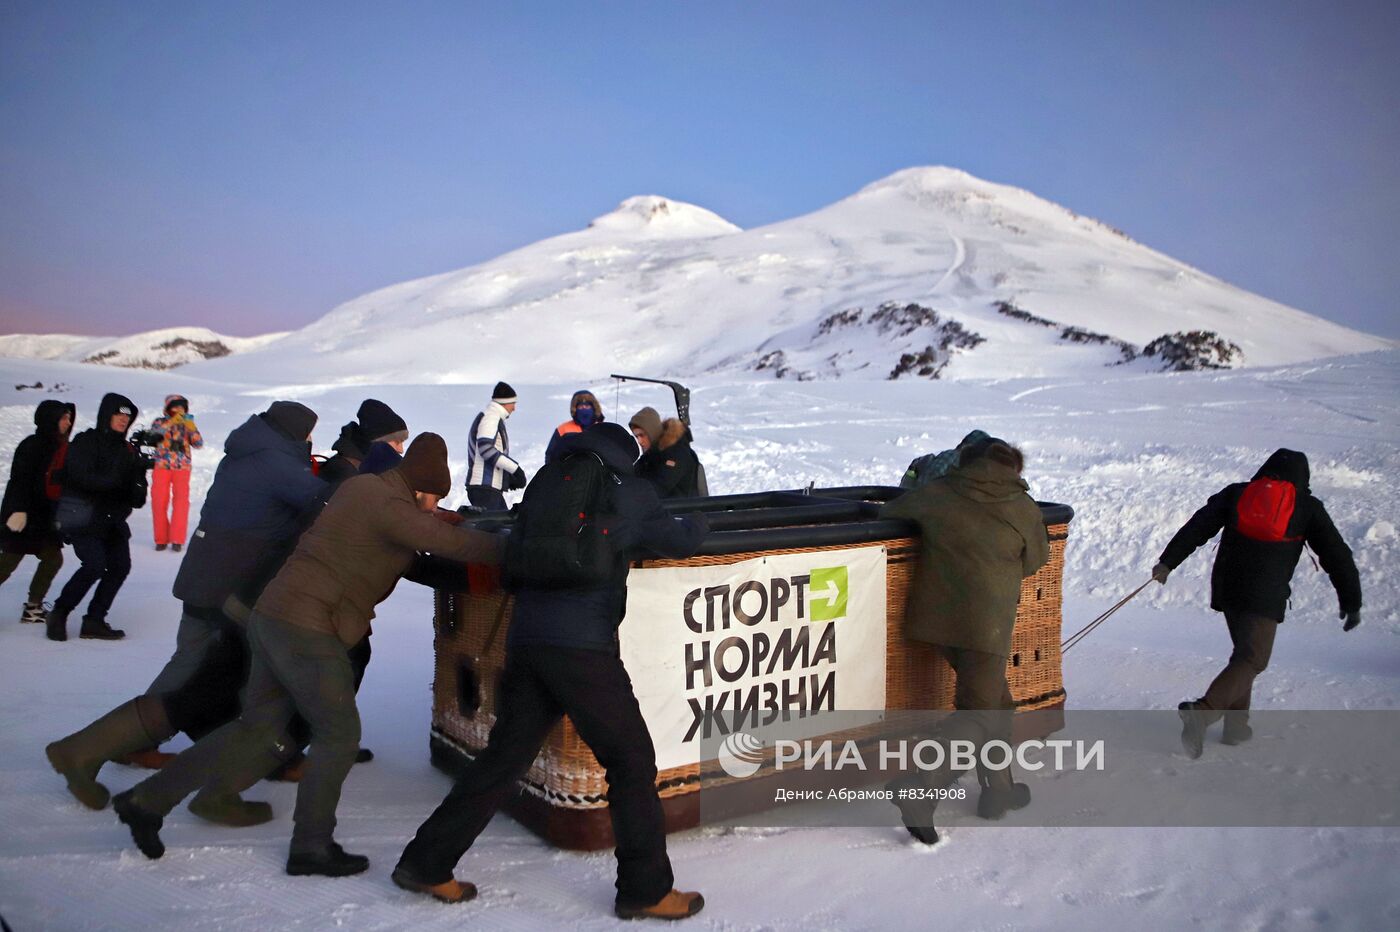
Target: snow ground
{"x": 1134, "y": 455}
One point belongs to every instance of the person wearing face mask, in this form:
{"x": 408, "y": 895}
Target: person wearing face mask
{"x": 104, "y": 479}
{"x": 26, "y": 514}
{"x": 320, "y": 603}
{"x": 584, "y": 412}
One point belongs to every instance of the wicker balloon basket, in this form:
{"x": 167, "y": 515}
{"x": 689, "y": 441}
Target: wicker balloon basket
{"x": 564, "y": 795}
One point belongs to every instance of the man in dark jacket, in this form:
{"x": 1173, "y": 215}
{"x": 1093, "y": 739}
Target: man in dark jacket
{"x": 980, "y": 535}
{"x": 105, "y": 477}
{"x": 320, "y": 603}
{"x": 1265, "y": 525}
{"x": 562, "y": 659}
{"x": 27, "y": 511}
{"x": 375, "y": 422}
{"x": 667, "y": 462}
{"x": 263, "y": 494}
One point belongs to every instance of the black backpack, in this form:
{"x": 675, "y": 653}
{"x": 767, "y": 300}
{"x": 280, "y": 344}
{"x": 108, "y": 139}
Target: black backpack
{"x": 559, "y": 540}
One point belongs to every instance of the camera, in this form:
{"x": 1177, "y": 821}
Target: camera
{"x": 145, "y": 438}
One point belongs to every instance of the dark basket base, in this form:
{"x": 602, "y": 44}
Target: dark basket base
{"x": 591, "y": 829}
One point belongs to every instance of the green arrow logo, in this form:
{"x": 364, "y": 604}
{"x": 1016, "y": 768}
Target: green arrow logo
{"x": 827, "y": 593}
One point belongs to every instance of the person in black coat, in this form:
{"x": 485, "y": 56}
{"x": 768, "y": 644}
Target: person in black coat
{"x": 562, "y": 658}
{"x": 104, "y": 478}
{"x": 375, "y": 422}
{"x": 1261, "y": 541}
{"x": 27, "y": 511}
{"x": 667, "y": 462}
{"x": 262, "y": 497}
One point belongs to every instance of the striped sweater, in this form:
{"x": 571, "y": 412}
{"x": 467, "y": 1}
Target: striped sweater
{"x": 488, "y": 452}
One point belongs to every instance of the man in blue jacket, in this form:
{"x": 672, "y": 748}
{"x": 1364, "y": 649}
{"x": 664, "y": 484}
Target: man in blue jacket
{"x": 263, "y": 495}
{"x": 562, "y": 659}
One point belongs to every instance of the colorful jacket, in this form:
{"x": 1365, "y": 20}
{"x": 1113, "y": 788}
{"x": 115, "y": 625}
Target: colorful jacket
{"x": 179, "y": 436}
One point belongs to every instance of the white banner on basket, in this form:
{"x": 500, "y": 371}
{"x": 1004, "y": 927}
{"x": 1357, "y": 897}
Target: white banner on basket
{"x": 789, "y": 632}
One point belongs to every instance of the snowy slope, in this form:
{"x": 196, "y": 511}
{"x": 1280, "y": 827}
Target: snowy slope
{"x": 154, "y": 349}
{"x": 659, "y": 286}
{"x": 1134, "y": 453}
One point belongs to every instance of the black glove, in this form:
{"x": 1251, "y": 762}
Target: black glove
{"x": 1350, "y": 619}
{"x": 1160, "y": 572}
{"x": 517, "y": 479}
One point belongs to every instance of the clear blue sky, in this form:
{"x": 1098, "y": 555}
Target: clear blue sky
{"x": 247, "y": 165}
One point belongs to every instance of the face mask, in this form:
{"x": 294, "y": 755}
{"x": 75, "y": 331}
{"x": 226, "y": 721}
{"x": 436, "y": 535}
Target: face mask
{"x": 583, "y": 414}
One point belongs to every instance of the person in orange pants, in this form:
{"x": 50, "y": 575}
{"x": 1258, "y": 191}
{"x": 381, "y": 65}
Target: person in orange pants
{"x": 170, "y": 480}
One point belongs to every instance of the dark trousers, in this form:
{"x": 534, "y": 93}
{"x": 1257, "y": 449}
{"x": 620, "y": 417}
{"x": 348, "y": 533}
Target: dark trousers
{"x": 294, "y": 670}
{"x": 1230, "y": 691}
{"x": 538, "y": 685}
{"x": 483, "y": 496}
{"x": 50, "y": 562}
{"x": 982, "y": 711}
{"x": 105, "y": 552}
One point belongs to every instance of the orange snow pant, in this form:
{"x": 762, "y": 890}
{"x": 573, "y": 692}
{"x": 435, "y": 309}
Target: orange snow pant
{"x": 170, "y": 505}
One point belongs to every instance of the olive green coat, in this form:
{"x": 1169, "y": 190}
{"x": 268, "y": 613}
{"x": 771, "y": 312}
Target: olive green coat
{"x": 981, "y": 534}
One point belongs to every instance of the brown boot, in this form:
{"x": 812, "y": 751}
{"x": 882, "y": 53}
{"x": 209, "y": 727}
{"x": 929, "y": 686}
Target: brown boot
{"x": 291, "y": 771}
{"x": 224, "y": 808}
{"x": 453, "y": 891}
{"x": 674, "y": 905}
{"x": 146, "y": 759}
{"x": 129, "y": 727}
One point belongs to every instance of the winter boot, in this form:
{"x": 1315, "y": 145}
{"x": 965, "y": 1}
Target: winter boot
{"x": 1193, "y": 728}
{"x": 129, "y": 727}
{"x": 98, "y": 629}
{"x": 996, "y": 801}
{"x": 34, "y": 613}
{"x": 229, "y": 809}
{"x": 1237, "y": 730}
{"x": 330, "y": 861}
{"x": 160, "y": 547}
{"x": 291, "y": 771}
{"x": 674, "y": 905}
{"x": 176, "y": 547}
{"x": 364, "y": 756}
{"x": 916, "y": 812}
{"x": 56, "y": 625}
{"x": 453, "y": 891}
{"x": 143, "y": 823}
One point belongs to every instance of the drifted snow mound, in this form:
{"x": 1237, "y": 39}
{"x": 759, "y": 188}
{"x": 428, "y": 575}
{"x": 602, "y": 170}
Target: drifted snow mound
{"x": 155, "y": 349}
{"x": 659, "y": 286}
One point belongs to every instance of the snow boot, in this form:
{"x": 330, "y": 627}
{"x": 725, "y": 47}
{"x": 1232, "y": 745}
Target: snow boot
{"x": 98, "y": 629}
{"x": 129, "y": 727}
{"x": 997, "y": 801}
{"x": 452, "y": 891}
{"x": 674, "y": 905}
{"x": 1193, "y": 728}
{"x": 146, "y": 759}
{"x": 330, "y": 861}
{"x": 1237, "y": 730}
{"x": 56, "y": 625}
{"x": 229, "y": 809}
{"x": 160, "y": 547}
{"x": 915, "y": 812}
{"x": 143, "y": 823}
{"x": 176, "y": 547}
{"x": 364, "y": 756}
{"x": 291, "y": 771}
{"x": 34, "y": 614}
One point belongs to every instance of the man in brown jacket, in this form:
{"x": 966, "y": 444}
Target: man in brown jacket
{"x": 320, "y": 603}
{"x": 981, "y": 534}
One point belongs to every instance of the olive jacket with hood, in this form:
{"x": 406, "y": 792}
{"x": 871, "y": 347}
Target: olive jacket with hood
{"x": 980, "y": 535}
{"x": 352, "y": 557}
{"x": 105, "y": 469}
{"x": 31, "y": 488}
{"x": 1253, "y": 576}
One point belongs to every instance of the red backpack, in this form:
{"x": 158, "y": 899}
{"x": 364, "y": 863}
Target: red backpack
{"x": 1264, "y": 510}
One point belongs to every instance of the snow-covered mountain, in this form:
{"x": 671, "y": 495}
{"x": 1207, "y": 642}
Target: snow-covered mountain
{"x": 154, "y": 349}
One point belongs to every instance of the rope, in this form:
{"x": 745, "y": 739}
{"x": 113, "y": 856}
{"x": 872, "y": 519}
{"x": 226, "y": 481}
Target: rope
{"x": 1088, "y": 629}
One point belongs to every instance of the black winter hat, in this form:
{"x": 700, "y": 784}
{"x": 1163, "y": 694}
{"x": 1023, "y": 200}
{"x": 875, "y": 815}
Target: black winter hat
{"x": 380, "y": 422}
{"x": 292, "y": 418}
{"x": 503, "y": 393}
{"x": 425, "y": 465}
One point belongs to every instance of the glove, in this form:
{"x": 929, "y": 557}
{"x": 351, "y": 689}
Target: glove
{"x": 17, "y": 521}
{"x": 1160, "y": 572}
{"x": 1350, "y": 619}
{"x": 517, "y": 479}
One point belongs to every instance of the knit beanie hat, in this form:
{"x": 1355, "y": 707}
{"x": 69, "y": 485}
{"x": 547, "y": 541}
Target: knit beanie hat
{"x": 293, "y": 418}
{"x": 650, "y": 423}
{"x": 379, "y": 422}
{"x": 503, "y": 394}
{"x": 172, "y": 400}
{"x": 425, "y": 465}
